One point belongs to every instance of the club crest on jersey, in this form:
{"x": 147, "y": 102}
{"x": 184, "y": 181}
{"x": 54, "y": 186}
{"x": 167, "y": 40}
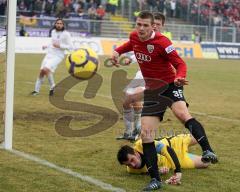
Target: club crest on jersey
{"x": 150, "y": 48}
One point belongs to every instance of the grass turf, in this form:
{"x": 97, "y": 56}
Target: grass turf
{"x": 213, "y": 90}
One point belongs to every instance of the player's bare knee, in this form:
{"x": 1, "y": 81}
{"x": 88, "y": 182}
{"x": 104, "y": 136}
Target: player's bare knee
{"x": 137, "y": 106}
{"x": 42, "y": 73}
{"x": 127, "y": 104}
{"x": 183, "y": 116}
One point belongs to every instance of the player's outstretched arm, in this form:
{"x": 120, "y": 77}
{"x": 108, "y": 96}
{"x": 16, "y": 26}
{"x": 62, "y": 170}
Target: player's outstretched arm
{"x": 114, "y": 59}
{"x": 126, "y": 47}
{"x": 171, "y": 156}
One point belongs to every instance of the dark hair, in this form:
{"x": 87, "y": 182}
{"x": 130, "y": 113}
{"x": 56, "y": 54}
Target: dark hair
{"x": 159, "y": 16}
{"x": 59, "y": 19}
{"x": 123, "y": 153}
{"x": 146, "y": 15}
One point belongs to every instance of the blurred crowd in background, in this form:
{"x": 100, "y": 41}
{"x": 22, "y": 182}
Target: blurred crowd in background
{"x": 198, "y": 12}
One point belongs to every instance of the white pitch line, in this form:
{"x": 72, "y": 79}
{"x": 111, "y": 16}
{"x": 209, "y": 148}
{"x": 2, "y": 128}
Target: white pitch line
{"x": 85, "y": 178}
{"x": 216, "y": 117}
{"x": 194, "y": 112}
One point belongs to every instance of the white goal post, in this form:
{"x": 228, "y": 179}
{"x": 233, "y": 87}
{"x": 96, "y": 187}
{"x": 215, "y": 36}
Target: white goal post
{"x": 10, "y": 67}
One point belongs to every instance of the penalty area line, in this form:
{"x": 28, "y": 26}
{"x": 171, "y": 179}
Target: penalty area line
{"x": 90, "y": 180}
{"x": 216, "y": 117}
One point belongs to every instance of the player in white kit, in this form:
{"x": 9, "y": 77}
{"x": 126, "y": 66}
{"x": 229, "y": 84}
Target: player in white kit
{"x": 132, "y": 105}
{"x": 61, "y": 41}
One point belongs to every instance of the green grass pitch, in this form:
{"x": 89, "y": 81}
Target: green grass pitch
{"x": 213, "y": 94}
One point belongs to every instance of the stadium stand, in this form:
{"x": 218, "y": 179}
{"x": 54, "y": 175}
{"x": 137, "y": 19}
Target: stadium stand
{"x": 202, "y": 12}
{"x": 114, "y": 18}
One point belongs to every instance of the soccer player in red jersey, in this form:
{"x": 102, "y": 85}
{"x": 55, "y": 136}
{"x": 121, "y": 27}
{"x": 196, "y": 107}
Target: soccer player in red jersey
{"x": 132, "y": 104}
{"x": 164, "y": 73}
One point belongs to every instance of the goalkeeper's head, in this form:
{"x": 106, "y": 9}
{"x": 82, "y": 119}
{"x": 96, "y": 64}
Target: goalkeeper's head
{"x": 128, "y": 156}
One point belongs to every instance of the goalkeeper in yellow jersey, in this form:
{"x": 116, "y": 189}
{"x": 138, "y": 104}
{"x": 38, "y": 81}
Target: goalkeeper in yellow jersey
{"x": 166, "y": 148}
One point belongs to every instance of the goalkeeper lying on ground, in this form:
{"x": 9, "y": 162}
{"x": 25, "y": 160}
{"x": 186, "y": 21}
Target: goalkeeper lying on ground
{"x": 133, "y": 157}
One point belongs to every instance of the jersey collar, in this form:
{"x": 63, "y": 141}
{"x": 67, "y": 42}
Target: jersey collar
{"x": 151, "y": 37}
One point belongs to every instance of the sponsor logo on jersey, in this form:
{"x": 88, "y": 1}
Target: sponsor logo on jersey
{"x": 142, "y": 57}
{"x": 150, "y": 48}
{"x": 169, "y": 49}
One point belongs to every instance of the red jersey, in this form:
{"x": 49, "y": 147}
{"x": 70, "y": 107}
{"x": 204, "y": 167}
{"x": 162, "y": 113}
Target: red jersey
{"x": 156, "y": 57}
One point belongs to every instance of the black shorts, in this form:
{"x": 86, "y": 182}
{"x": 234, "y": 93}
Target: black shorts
{"x": 156, "y": 101}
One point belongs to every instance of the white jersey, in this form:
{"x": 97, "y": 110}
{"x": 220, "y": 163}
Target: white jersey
{"x": 55, "y": 55}
{"x": 64, "y": 40}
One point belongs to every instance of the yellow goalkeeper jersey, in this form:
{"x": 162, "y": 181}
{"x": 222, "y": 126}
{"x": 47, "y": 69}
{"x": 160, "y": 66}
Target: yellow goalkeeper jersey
{"x": 180, "y": 145}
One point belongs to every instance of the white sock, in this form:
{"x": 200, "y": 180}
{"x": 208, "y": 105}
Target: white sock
{"x": 128, "y": 118}
{"x": 137, "y": 120}
{"x": 51, "y": 81}
{"x": 38, "y": 84}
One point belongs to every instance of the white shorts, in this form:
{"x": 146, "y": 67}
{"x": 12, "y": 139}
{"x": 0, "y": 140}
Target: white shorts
{"x": 51, "y": 62}
{"x": 136, "y": 83}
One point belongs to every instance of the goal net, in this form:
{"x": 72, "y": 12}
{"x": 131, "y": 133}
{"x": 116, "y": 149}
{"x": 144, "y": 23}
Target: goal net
{"x": 2, "y": 74}
{"x": 7, "y": 62}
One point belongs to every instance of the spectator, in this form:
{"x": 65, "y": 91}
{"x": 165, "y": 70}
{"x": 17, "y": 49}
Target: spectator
{"x": 29, "y": 4}
{"x": 55, "y": 4}
{"x": 144, "y": 5}
{"x": 221, "y": 12}
{"x": 38, "y": 6}
{"x": 205, "y": 12}
{"x": 92, "y": 14}
{"x": 3, "y": 5}
{"x": 100, "y": 14}
{"x": 152, "y": 5}
{"x": 48, "y": 7}
{"x": 22, "y": 6}
{"x": 183, "y": 9}
{"x": 167, "y": 33}
{"x": 67, "y": 2}
{"x": 60, "y": 9}
{"x": 78, "y": 4}
{"x": 184, "y": 37}
{"x": 168, "y": 8}
{"x": 173, "y": 8}
{"x": 78, "y": 7}
{"x": 23, "y": 32}
{"x": 113, "y": 4}
{"x": 98, "y": 2}
{"x": 160, "y": 5}
{"x": 196, "y": 37}
{"x": 90, "y": 3}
